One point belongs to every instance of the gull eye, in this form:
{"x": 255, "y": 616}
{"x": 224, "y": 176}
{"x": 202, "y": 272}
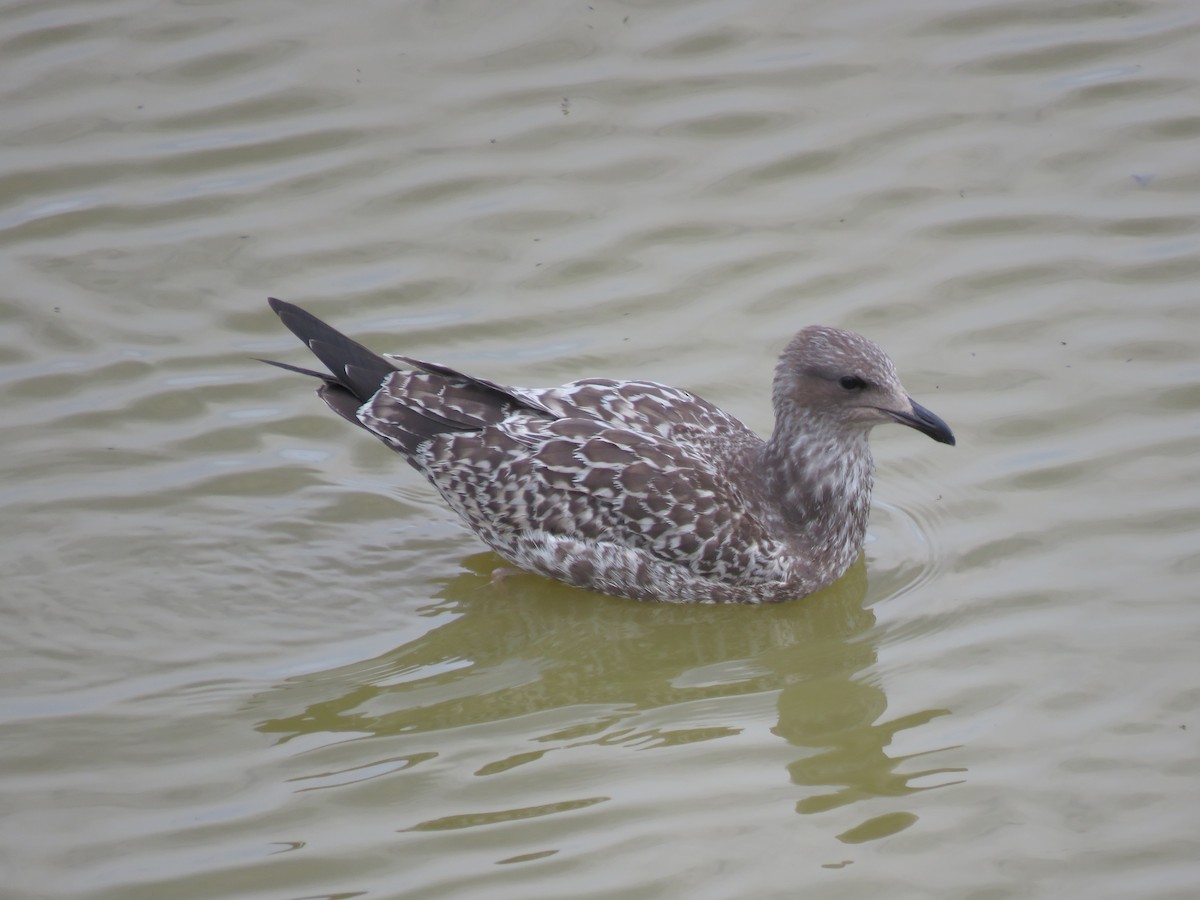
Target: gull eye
{"x": 852, "y": 383}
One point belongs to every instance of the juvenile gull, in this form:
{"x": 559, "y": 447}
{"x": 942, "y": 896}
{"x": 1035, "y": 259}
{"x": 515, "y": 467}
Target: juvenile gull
{"x": 634, "y": 488}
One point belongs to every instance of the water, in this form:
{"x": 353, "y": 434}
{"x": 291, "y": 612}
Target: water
{"x": 245, "y": 653}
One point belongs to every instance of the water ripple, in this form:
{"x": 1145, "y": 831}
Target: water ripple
{"x": 266, "y": 651}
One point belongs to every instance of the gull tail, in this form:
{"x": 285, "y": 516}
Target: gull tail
{"x": 415, "y": 405}
{"x": 355, "y": 373}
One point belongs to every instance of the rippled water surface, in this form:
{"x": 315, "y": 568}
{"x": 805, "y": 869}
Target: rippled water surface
{"x": 245, "y": 652}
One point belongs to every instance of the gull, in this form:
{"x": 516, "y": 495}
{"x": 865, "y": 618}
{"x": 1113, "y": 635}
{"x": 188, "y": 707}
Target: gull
{"x": 634, "y": 488}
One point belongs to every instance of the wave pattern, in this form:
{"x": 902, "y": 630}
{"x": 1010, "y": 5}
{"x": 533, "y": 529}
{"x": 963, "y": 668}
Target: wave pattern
{"x": 245, "y": 654}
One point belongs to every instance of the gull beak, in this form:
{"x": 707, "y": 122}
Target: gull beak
{"x": 923, "y": 421}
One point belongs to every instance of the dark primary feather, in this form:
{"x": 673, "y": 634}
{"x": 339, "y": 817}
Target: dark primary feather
{"x": 353, "y": 366}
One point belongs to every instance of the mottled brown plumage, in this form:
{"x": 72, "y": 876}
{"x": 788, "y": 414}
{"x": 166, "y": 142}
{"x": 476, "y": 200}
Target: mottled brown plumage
{"x": 635, "y": 488}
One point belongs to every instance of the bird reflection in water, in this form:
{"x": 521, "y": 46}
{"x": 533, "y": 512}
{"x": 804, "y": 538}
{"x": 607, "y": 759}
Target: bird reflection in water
{"x": 596, "y": 667}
